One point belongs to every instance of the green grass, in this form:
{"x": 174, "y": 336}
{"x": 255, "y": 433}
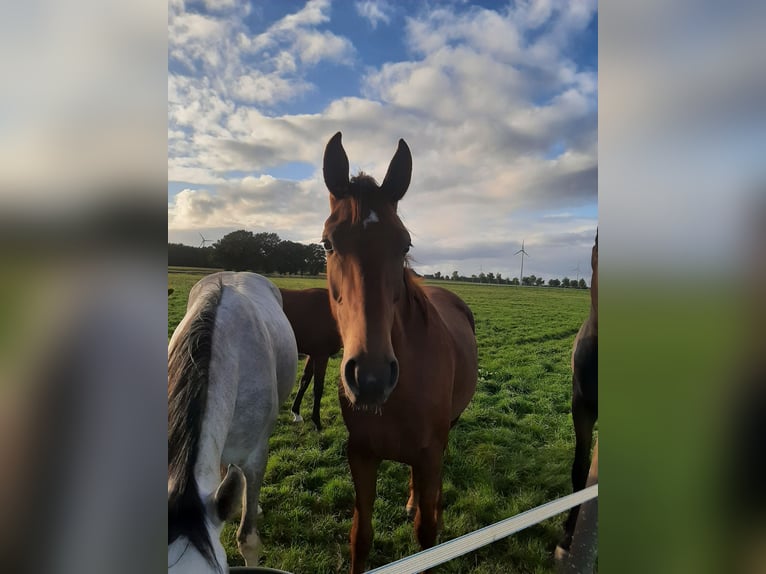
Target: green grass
{"x": 511, "y": 450}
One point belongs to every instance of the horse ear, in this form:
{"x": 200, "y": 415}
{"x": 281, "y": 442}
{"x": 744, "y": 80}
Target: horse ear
{"x": 228, "y": 496}
{"x": 399, "y": 173}
{"x": 335, "y": 167}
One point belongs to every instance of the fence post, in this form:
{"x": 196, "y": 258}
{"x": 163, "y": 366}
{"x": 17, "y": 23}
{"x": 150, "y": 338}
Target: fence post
{"x": 582, "y": 552}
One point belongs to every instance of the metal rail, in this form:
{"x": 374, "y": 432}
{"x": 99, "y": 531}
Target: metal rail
{"x": 474, "y": 540}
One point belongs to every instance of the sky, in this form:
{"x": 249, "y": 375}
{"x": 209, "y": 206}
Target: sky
{"x": 497, "y": 102}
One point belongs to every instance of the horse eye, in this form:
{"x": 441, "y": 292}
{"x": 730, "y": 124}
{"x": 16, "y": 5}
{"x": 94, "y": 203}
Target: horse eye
{"x": 327, "y": 244}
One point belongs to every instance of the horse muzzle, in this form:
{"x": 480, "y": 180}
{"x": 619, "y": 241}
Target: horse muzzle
{"x": 369, "y": 383}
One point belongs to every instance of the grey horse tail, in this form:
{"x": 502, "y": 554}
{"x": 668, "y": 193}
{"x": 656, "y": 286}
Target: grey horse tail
{"x": 188, "y": 372}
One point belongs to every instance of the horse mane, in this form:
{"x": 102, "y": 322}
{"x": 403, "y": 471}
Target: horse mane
{"x": 413, "y": 286}
{"x": 188, "y": 374}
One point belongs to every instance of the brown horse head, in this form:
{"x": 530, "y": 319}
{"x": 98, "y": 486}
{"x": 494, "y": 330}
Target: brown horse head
{"x": 366, "y": 245}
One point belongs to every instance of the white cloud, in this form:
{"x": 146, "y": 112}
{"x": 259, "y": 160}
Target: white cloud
{"x": 314, "y": 47}
{"x": 259, "y": 88}
{"x": 266, "y": 69}
{"x": 220, "y": 5}
{"x": 295, "y": 37}
{"x": 315, "y": 12}
{"x": 375, "y": 12}
{"x": 480, "y": 105}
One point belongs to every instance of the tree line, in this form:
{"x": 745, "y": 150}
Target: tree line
{"x": 267, "y": 253}
{"x": 498, "y": 279}
{"x": 247, "y": 251}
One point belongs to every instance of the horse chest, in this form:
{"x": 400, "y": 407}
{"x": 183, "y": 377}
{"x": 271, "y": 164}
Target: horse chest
{"x": 401, "y": 436}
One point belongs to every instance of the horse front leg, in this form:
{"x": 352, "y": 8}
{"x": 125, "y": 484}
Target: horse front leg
{"x": 308, "y": 371}
{"x": 412, "y": 501}
{"x": 320, "y": 368}
{"x": 364, "y": 471}
{"x": 584, "y": 419}
{"x": 427, "y": 476}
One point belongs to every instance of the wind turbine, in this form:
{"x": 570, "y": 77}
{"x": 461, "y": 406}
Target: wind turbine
{"x": 577, "y": 269}
{"x": 202, "y": 244}
{"x": 523, "y": 253}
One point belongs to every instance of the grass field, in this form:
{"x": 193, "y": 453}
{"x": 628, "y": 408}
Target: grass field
{"x": 511, "y": 450}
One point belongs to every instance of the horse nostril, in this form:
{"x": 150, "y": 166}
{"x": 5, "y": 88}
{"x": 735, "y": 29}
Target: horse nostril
{"x": 350, "y": 374}
{"x": 394, "y": 372}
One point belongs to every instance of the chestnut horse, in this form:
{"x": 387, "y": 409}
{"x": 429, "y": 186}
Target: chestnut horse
{"x": 409, "y": 364}
{"x": 316, "y": 333}
{"x": 584, "y": 398}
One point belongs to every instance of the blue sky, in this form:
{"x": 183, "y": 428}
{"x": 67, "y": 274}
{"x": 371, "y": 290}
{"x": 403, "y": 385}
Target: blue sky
{"x": 497, "y": 101}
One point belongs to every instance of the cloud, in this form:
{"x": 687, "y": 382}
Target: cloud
{"x": 374, "y": 12}
{"x": 260, "y": 203}
{"x": 264, "y": 69}
{"x": 295, "y": 38}
{"x": 481, "y": 100}
{"x": 259, "y": 88}
{"x": 221, "y": 5}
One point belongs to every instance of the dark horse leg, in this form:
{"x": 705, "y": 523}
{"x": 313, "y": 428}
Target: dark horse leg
{"x": 320, "y": 367}
{"x": 412, "y": 502}
{"x": 364, "y": 471}
{"x": 427, "y": 475}
{"x": 584, "y": 416}
{"x": 308, "y": 372}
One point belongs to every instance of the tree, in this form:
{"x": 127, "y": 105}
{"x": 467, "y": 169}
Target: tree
{"x": 235, "y": 251}
{"x": 188, "y": 256}
{"x": 539, "y": 281}
{"x": 499, "y": 278}
{"x": 288, "y": 257}
{"x": 565, "y": 282}
{"x": 455, "y": 275}
{"x": 554, "y": 282}
{"x": 438, "y": 275}
{"x": 581, "y": 284}
{"x": 266, "y": 256}
{"x": 491, "y": 277}
{"x": 316, "y": 259}
{"x": 515, "y": 281}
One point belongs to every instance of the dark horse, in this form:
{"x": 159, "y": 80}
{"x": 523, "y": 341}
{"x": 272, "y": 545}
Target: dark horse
{"x": 410, "y": 361}
{"x": 316, "y": 333}
{"x": 584, "y": 398}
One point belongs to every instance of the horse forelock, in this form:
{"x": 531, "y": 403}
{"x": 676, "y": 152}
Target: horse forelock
{"x": 364, "y": 196}
{"x": 188, "y": 374}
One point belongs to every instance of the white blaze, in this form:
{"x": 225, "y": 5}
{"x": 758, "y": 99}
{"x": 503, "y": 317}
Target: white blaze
{"x": 372, "y": 218}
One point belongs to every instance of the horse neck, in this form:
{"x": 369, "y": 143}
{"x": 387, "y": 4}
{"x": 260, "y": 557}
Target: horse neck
{"x": 408, "y": 316}
{"x": 593, "y": 319}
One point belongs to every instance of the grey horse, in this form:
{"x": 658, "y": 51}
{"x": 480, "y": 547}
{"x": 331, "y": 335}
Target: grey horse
{"x": 232, "y": 362}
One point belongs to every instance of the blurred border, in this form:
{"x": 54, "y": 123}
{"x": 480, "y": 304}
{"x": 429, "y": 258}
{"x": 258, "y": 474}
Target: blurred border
{"x": 681, "y": 182}
{"x": 83, "y": 332}
{"x": 83, "y": 271}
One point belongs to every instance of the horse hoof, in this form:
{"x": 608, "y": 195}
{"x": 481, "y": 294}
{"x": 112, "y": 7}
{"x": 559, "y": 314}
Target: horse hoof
{"x": 560, "y": 554}
{"x": 318, "y": 426}
{"x": 297, "y": 418}
{"x": 250, "y": 549}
